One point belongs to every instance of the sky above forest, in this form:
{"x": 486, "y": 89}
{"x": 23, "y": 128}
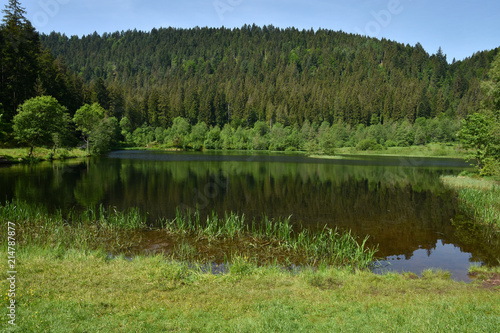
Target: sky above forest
{"x": 460, "y": 27}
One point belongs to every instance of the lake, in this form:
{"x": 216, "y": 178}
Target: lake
{"x": 399, "y": 202}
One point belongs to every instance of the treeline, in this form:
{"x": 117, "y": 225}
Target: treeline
{"x": 311, "y": 137}
{"x": 240, "y": 76}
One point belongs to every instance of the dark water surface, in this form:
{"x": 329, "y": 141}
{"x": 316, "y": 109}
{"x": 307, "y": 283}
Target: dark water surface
{"x": 399, "y": 202}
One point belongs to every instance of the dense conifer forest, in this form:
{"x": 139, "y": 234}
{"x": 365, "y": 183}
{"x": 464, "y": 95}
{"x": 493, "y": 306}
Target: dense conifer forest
{"x": 239, "y": 76}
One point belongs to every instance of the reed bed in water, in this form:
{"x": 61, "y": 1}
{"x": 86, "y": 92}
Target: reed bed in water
{"x": 478, "y": 198}
{"x": 327, "y": 245}
{"x": 111, "y": 230}
{"x": 93, "y": 228}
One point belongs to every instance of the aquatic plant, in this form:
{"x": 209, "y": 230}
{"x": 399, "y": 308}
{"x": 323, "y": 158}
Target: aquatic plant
{"x": 98, "y": 227}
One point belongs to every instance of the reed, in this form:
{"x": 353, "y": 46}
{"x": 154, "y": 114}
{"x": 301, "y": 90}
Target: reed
{"x": 478, "y": 198}
{"x": 484, "y": 206}
{"x": 103, "y": 228}
{"x": 93, "y": 228}
{"x": 325, "y": 246}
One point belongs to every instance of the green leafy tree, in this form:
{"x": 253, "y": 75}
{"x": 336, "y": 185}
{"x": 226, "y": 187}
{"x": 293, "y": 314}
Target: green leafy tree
{"x": 277, "y": 137}
{"x": 126, "y": 129}
{"x": 213, "y": 140}
{"x": 180, "y": 132}
{"x": 259, "y": 137}
{"x": 227, "y": 137}
{"x": 38, "y": 120}
{"x": 87, "y": 120}
{"x": 475, "y": 133}
{"x": 105, "y": 135}
{"x": 198, "y": 135}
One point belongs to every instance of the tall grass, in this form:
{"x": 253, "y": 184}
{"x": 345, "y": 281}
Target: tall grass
{"x": 478, "y": 198}
{"x": 93, "y": 228}
{"x": 482, "y": 205}
{"x": 98, "y": 227}
{"x": 325, "y": 246}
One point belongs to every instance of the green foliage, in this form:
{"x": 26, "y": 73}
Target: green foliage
{"x": 142, "y": 136}
{"x": 27, "y": 70}
{"x": 88, "y": 120}
{"x": 39, "y": 121}
{"x": 475, "y": 133}
{"x": 241, "y": 76}
{"x": 368, "y": 144}
{"x": 491, "y": 88}
{"x": 104, "y": 136}
{"x": 277, "y": 137}
{"x": 213, "y": 140}
{"x": 324, "y": 139}
{"x": 180, "y": 132}
{"x": 481, "y": 131}
{"x": 125, "y": 127}
{"x": 198, "y": 134}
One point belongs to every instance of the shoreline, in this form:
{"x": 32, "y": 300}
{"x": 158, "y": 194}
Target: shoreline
{"x": 13, "y": 156}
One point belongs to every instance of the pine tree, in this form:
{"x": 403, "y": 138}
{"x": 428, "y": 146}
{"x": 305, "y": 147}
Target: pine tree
{"x": 20, "y": 48}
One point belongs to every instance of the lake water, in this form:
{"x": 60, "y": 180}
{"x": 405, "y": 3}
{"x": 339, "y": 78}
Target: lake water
{"x": 399, "y": 202}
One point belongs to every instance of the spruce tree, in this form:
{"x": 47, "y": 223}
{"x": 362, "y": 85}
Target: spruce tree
{"x": 20, "y": 49}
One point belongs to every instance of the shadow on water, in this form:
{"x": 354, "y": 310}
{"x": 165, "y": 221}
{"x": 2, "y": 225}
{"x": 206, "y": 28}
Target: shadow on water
{"x": 399, "y": 202}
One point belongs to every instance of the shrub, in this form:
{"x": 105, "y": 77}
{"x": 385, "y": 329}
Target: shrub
{"x": 367, "y": 144}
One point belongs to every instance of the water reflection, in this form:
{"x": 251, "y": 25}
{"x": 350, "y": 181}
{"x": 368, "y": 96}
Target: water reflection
{"x": 441, "y": 256}
{"x": 400, "y": 203}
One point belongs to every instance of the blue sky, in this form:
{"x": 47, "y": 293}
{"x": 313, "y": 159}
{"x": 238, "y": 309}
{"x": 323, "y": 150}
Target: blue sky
{"x": 460, "y": 27}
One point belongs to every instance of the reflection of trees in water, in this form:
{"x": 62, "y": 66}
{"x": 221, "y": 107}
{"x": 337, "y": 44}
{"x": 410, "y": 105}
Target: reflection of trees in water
{"x": 482, "y": 241}
{"x": 50, "y": 184}
{"x": 402, "y": 208}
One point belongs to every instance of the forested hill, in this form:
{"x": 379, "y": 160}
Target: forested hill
{"x": 220, "y": 75}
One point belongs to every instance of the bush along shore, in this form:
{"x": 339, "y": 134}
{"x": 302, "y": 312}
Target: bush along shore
{"x": 69, "y": 280}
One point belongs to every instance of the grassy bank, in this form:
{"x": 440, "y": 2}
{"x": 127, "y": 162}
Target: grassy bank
{"x": 479, "y": 198}
{"x": 84, "y": 291}
{"x": 16, "y": 155}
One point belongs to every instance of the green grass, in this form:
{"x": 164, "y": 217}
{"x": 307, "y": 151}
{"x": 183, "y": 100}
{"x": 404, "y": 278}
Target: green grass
{"x": 75, "y": 291}
{"x": 40, "y": 154}
{"x": 478, "y": 198}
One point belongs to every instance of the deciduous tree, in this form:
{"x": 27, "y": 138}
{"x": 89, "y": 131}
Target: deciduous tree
{"x": 39, "y": 120}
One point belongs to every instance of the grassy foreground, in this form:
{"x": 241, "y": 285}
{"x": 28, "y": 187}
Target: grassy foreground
{"x": 82, "y": 291}
{"x": 478, "y": 198}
